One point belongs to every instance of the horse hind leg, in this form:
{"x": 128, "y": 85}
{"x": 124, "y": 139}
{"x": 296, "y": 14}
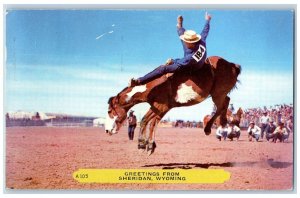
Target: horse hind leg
{"x": 222, "y": 105}
{"x": 223, "y": 116}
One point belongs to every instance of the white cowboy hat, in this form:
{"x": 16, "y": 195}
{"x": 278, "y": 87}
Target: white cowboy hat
{"x": 190, "y": 36}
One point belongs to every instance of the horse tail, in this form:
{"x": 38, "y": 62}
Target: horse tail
{"x": 238, "y": 69}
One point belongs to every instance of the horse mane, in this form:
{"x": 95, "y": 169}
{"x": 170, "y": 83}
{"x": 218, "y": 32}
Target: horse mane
{"x": 122, "y": 90}
{"x": 117, "y": 96}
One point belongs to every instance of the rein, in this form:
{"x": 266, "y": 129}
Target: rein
{"x": 114, "y": 109}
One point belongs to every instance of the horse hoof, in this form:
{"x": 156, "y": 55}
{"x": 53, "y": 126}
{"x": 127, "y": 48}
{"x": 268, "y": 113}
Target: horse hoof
{"x": 207, "y": 131}
{"x": 141, "y": 146}
{"x": 151, "y": 148}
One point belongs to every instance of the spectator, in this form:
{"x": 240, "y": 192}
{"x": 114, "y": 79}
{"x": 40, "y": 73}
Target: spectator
{"x": 280, "y": 133}
{"x": 131, "y": 124}
{"x": 290, "y": 125}
{"x": 233, "y": 131}
{"x": 264, "y": 120}
{"x": 270, "y": 129}
{"x": 231, "y": 108}
{"x": 214, "y": 110}
{"x": 221, "y": 132}
{"x": 253, "y": 131}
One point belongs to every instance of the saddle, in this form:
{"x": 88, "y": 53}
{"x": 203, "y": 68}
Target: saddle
{"x": 207, "y": 62}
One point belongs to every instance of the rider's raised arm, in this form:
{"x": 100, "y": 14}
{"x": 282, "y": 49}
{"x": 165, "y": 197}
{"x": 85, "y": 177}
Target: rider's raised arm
{"x": 180, "y": 29}
{"x": 205, "y": 30}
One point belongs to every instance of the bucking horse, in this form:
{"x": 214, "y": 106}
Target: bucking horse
{"x": 216, "y": 78}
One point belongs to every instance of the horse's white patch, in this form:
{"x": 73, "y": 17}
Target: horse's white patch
{"x": 110, "y": 122}
{"x": 135, "y": 90}
{"x": 185, "y": 93}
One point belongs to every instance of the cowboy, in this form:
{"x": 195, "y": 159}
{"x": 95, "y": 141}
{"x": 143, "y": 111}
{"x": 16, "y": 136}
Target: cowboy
{"x": 280, "y": 133}
{"x": 131, "y": 124}
{"x": 253, "y": 131}
{"x": 270, "y": 129}
{"x": 194, "y": 46}
{"x": 214, "y": 110}
{"x": 233, "y": 131}
{"x": 231, "y": 108}
{"x": 264, "y": 120}
{"x": 221, "y": 132}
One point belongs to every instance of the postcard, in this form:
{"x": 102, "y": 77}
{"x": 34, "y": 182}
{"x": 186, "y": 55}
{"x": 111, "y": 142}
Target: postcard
{"x": 149, "y": 99}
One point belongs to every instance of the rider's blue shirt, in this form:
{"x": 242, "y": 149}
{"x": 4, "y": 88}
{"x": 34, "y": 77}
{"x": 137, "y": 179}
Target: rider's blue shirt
{"x": 193, "y": 58}
{"x": 189, "y": 59}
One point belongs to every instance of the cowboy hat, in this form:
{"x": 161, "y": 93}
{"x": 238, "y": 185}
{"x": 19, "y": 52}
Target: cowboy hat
{"x": 190, "y": 36}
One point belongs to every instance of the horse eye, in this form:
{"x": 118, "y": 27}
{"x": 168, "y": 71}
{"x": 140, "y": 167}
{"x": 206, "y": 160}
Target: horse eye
{"x": 109, "y": 111}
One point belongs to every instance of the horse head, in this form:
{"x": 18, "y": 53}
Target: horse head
{"x": 115, "y": 116}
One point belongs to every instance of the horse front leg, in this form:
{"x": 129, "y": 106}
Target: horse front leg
{"x": 142, "y": 134}
{"x": 222, "y": 105}
{"x": 151, "y": 139}
{"x": 162, "y": 110}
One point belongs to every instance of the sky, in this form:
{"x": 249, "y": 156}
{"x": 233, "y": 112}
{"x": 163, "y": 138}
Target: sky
{"x": 72, "y": 61}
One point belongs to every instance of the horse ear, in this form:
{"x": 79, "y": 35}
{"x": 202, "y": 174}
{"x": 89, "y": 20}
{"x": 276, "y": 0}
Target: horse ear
{"x": 109, "y": 100}
{"x": 117, "y": 98}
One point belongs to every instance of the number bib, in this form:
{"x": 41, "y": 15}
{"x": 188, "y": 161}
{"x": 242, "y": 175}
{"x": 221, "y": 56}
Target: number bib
{"x": 199, "y": 54}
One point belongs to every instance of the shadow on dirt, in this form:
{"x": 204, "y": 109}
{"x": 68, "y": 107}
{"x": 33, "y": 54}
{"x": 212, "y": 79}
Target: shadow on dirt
{"x": 276, "y": 164}
{"x": 189, "y": 165}
{"x": 270, "y": 162}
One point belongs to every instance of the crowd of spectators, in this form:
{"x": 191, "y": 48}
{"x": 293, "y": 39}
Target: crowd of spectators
{"x": 278, "y": 113}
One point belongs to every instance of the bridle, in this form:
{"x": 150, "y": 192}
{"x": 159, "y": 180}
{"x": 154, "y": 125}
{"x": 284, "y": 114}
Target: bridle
{"x": 113, "y": 108}
{"x": 121, "y": 106}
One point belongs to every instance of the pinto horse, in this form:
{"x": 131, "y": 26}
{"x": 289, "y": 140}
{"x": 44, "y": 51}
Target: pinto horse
{"x": 216, "y": 78}
{"x": 234, "y": 118}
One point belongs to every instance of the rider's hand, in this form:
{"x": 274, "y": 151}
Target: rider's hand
{"x": 207, "y": 16}
{"x": 169, "y": 61}
{"x": 179, "y": 21}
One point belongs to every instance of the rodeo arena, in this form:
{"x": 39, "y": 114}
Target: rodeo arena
{"x": 258, "y": 153}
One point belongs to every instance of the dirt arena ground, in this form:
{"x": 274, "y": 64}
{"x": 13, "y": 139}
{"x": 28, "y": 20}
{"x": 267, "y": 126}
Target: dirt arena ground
{"x": 45, "y": 158}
